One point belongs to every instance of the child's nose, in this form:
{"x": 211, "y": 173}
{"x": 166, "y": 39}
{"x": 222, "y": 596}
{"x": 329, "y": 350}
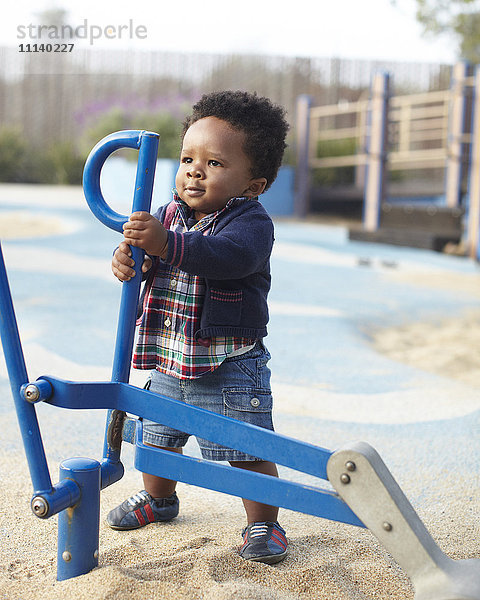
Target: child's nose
{"x": 194, "y": 172}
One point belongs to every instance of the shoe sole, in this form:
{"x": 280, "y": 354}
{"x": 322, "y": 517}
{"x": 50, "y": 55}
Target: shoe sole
{"x": 130, "y": 527}
{"x": 120, "y": 528}
{"x": 269, "y": 560}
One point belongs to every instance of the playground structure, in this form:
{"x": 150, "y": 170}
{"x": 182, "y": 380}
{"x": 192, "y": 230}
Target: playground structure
{"x": 365, "y": 494}
{"x": 432, "y": 130}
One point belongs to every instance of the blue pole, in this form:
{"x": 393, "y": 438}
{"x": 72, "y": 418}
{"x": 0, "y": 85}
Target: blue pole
{"x": 147, "y": 144}
{"x": 17, "y": 372}
{"x": 302, "y": 172}
{"x": 47, "y": 499}
{"x": 142, "y": 199}
{"x": 377, "y": 151}
{"x": 473, "y": 204}
{"x": 78, "y": 526}
{"x": 112, "y": 468}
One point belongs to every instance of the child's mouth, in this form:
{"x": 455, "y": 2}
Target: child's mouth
{"x": 193, "y": 192}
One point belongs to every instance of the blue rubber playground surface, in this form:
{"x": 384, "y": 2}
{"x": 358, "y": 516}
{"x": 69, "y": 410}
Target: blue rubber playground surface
{"x": 328, "y": 296}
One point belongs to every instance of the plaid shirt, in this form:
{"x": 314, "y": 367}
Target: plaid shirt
{"x": 172, "y": 312}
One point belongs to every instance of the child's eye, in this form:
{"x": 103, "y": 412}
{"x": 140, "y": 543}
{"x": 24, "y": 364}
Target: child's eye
{"x": 214, "y": 163}
{"x": 186, "y": 159}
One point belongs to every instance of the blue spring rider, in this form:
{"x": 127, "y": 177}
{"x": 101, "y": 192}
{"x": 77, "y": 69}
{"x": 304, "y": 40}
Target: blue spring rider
{"x": 366, "y": 494}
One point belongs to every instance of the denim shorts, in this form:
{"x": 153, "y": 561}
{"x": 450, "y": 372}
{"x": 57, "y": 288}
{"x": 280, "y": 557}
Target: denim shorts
{"x": 238, "y": 388}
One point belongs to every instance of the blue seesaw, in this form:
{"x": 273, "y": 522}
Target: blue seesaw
{"x": 366, "y": 495}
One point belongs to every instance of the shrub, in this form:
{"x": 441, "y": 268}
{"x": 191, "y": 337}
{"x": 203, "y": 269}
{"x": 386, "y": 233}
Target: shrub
{"x": 335, "y": 175}
{"x": 66, "y": 164}
{"x": 13, "y": 152}
{"x": 20, "y": 163}
{"x": 117, "y": 119}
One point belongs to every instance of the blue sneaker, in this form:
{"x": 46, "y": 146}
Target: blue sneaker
{"x": 264, "y": 542}
{"x": 142, "y": 509}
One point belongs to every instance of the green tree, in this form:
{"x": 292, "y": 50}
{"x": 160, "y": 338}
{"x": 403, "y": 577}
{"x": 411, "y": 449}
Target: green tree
{"x": 457, "y": 18}
{"x": 53, "y": 16}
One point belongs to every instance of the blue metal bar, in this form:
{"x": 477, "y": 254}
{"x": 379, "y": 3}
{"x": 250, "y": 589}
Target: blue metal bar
{"x": 49, "y": 499}
{"x": 17, "y": 372}
{"x": 64, "y": 494}
{"x": 257, "y": 441}
{"x": 78, "y": 527}
{"x": 248, "y": 438}
{"x": 142, "y": 199}
{"x": 245, "y": 484}
{"x": 147, "y": 144}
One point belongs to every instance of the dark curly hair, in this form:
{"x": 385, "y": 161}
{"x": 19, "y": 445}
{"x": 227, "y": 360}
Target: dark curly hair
{"x": 262, "y": 122}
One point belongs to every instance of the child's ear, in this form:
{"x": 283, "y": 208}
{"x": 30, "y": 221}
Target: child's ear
{"x": 255, "y": 187}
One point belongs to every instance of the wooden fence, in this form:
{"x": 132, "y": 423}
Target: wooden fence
{"x": 385, "y": 133}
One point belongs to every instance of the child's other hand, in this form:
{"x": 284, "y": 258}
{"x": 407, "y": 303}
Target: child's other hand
{"x": 145, "y": 231}
{"x": 122, "y": 263}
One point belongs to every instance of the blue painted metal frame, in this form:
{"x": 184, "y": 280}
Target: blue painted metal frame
{"x": 63, "y": 494}
{"x": 17, "y": 372}
{"x": 262, "y": 443}
{"x": 82, "y": 479}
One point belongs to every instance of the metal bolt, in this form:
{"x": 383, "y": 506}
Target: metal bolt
{"x": 387, "y": 526}
{"x": 67, "y": 557}
{"x": 345, "y": 478}
{"x": 39, "y": 506}
{"x": 350, "y": 465}
{"x": 31, "y": 393}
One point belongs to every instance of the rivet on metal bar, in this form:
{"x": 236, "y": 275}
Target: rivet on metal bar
{"x": 36, "y": 392}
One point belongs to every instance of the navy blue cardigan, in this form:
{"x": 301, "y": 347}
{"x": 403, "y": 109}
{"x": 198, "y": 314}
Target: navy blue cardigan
{"x": 235, "y": 264}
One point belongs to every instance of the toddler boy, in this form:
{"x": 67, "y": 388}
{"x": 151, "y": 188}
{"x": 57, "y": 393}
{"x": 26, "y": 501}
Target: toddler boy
{"x": 205, "y": 311}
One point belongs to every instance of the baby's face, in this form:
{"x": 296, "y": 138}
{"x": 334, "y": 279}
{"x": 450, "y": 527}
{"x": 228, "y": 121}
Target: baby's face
{"x": 214, "y": 167}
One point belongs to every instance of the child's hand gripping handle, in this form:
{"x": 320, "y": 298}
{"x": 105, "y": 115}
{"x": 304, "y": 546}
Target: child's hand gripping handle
{"x": 147, "y": 144}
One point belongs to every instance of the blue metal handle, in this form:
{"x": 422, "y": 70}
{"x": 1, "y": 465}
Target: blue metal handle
{"x": 93, "y": 167}
{"x": 147, "y": 144}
